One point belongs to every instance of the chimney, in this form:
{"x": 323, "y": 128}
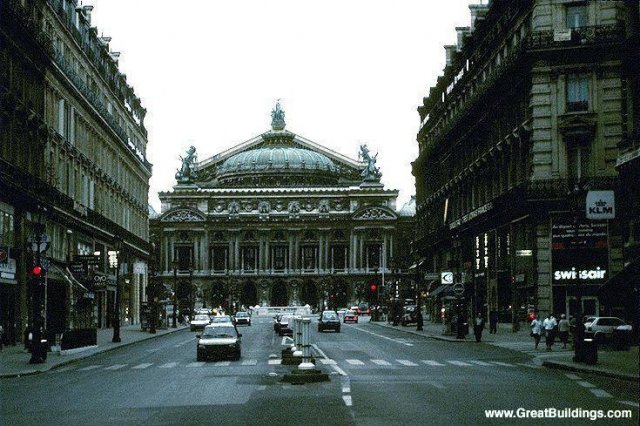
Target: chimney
{"x": 114, "y": 56}
{"x": 478, "y": 11}
{"x": 462, "y": 33}
{"x": 450, "y": 52}
{"x": 87, "y": 13}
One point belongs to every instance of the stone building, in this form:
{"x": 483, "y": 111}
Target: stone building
{"x": 516, "y": 175}
{"x": 277, "y": 220}
{"x": 73, "y": 170}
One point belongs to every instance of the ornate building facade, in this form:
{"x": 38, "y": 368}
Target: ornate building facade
{"x": 517, "y": 154}
{"x": 277, "y": 220}
{"x": 73, "y": 171}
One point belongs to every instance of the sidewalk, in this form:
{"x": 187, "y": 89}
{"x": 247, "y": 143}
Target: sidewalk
{"x": 616, "y": 364}
{"x": 14, "y": 360}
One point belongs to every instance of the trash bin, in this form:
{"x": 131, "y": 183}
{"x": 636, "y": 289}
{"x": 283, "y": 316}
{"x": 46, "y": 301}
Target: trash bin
{"x": 590, "y": 351}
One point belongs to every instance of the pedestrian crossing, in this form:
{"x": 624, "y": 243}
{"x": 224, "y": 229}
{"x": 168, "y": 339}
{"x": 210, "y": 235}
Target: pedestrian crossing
{"x": 357, "y": 363}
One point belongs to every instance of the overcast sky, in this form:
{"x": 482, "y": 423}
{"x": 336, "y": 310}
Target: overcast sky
{"x": 347, "y": 72}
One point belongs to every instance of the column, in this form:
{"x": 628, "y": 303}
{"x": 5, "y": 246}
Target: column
{"x": 362, "y": 264}
{"x": 320, "y": 264}
{"x": 383, "y": 263}
{"x": 352, "y": 251}
{"x": 165, "y": 241}
{"x": 291, "y": 251}
{"x": 236, "y": 253}
{"x": 204, "y": 253}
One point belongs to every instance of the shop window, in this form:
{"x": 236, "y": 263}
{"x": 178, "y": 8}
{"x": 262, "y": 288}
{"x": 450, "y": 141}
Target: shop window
{"x": 576, "y": 16}
{"x": 577, "y": 93}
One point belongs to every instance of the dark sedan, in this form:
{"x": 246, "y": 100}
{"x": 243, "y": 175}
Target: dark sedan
{"x": 219, "y": 341}
{"x": 329, "y": 320}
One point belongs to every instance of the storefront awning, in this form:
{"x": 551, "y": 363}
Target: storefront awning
{"x": 58, "y": 272}
{"x": 443, "y": 290}
{"x": 619, "y": 289}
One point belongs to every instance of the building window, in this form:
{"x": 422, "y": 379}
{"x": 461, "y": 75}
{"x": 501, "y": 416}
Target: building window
{"x": 374, "y": 253}
{"x": 579, "y": 157}
{"x": 219, "y": 258}
{"x": 184, "y": 256}
{"x": 339, "y": 258}
{"x": 576, "y": 16}
{"x": 279, "y": 258}
{"x": 308, "y": 254}
{"x": 577, "y": 93}
{"x": 249, "y": 259}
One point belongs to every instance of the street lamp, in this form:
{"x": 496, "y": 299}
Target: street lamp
{"x": 117, "y": 244}
{"x": 175, "y": 294}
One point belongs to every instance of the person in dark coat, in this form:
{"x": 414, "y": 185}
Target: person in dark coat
{"x": 478, "y": 326}
{"x": 493, "y": 322}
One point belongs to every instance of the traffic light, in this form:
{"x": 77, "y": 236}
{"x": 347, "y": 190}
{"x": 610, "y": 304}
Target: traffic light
{"x": 37, "y": 271}
{"x": 373, "y": 287}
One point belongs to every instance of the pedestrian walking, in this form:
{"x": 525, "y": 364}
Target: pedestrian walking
{"x": 536, "y": 329}
{"x": 563, "y": 330}
{"x": 549, "y": 324}
{"x": 478, "y": 326}
{"x": 493, "y": 322}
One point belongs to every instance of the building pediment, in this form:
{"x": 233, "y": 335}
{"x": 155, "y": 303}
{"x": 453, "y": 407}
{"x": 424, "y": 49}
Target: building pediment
{"x": 375, "y": 213}
{"x": 183, "y": 215}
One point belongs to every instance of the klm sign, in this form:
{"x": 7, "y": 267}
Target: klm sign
{"x": 600, "y": 205}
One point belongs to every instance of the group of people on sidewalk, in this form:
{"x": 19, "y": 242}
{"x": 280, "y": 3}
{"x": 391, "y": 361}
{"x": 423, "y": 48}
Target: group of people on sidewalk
{"x": 551, "y": 328}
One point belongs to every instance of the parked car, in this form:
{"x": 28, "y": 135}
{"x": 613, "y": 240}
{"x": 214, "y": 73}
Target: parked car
{"x": 350, "y": 316}
{"x": 219, "y": 341}
{"x": 363, "y": 309}
{"x": 329, "y": 320}
{"x": 286, "y": 325}
{"x": 603, "y": 328}
{"x": 242, "y": 318}
{"x": 409, "y": 315}
{"x": 199, "y": 322}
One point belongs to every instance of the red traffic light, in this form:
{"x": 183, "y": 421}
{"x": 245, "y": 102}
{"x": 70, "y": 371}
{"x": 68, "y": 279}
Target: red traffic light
{"x": 37, "y": 270}
{"x": 373, "y": 287}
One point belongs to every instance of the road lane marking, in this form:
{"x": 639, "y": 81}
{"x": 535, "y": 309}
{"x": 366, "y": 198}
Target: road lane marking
{"x": 116, "y": 367}
{"x": 586, "y": 384}
{"x": 326, "y": 361}
{"x": 354, "y": 362}
{"x": 436, "y": 385}
{"x": 432, "y": 363}
{"x": 485, "y": 364}
{"x": 275, "y": 361}
{"x": 573, "y": 376}
{"x": 537, "y": 367}
{"x": 406, "y": 362}
{"x": 380, "y": 362}
{"x": 504, "y": 364}
{"x": 460, "y": 363}
{"x": 141, "y": 366}
{"x": 631, "y": 403}
{"x": 383, "y": 337}
{"x": 250, "y": 362}
{"x": 222, "y": 363}
{"x": 600, "y": 393}
{"x": 91, "y": 367}
{"x": 196, "y": 364}
{"x": 169, "y": 365}
{"x": 347, "y": 400}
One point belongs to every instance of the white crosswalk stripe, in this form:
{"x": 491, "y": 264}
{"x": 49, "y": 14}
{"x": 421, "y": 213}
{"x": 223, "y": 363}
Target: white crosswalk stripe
{"x": 432, "y": 363}
{"x": 380, "y": 362}
{"x": 275, "y": 361}
{"x": 90, "y": 367}
{"x": 484, "y": 364}
{"x": 460, "y": 363}
{"x": 326, "y": 361}
{"x": 222, "y": 363}
{"x": 196, "y": 364}
{"x": 250, "y": 362}
{"x": 407, "y": 362}
{"x": 169, "y": 365}
{"x": 504, "y": 364}
{"x": 116, "y": 367}
{"x": 355, "y": 362}
{"x": 142, "y": 366}
{"x": 601, "y": 393}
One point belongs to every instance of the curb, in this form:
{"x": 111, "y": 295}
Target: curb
{"x": 579, "y": 369}
{"x": 427, "y": 336}
{"x": 84, "y": 356}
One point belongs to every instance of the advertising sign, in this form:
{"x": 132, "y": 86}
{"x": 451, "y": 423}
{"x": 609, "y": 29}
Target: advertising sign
{"x": 600, "y": 205}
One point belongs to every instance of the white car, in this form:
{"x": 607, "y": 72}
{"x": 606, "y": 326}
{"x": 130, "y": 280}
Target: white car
{"x": 199, "y": 322}
{"x": 603, "y": 327}
{"x": 219, "y": 341}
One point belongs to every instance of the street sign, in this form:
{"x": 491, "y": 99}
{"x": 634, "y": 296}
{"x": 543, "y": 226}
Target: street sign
{"x": 446, "y": 277}
{"x": 458, "y": 289}
{"x": 90, "y": 259}
{"x": 431, "y": 276}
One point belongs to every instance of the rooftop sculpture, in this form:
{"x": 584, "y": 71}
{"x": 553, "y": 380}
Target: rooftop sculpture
{"x": 371, "y": 173}
{"x": 187, "y": 173}
{"x": 277, "y": 117}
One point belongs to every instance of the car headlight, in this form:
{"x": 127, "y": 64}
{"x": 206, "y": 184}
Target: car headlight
{"x": 233, "y": 345}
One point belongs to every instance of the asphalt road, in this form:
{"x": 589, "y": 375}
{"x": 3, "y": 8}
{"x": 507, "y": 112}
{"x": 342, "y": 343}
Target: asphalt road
{"x": 378, "y": 376}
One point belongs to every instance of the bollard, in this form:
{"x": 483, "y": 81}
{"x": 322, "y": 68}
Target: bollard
{"x": 306, "y": 363}
{"x": 297, "y": 337}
